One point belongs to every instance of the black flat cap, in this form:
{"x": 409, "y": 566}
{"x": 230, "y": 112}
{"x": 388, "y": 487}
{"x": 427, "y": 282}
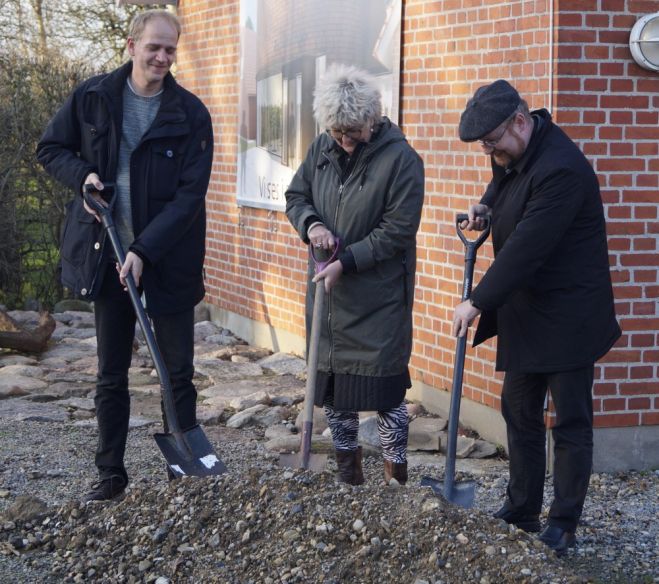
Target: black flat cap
{"x": 491, "y": 106}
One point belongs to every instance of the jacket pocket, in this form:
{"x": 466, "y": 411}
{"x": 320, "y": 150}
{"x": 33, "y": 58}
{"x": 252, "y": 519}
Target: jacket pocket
{"x": 164, "y": 169}
{"x": 81, "y": 249}
{"x": 95, "y": 143}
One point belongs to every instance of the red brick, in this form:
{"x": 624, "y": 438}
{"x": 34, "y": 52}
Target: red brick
{"x": 650, "y": 419}
{"x": 616, "y": 420}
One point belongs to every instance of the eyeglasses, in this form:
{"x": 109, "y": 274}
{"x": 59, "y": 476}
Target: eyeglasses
{"x": 493, "y": 143}
{"x": 354, "y": 134}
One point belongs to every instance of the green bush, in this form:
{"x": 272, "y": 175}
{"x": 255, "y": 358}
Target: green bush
{"x": 31, "y": 203}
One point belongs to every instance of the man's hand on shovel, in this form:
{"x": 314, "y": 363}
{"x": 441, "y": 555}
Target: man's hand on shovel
{"x": 464, "y": 315}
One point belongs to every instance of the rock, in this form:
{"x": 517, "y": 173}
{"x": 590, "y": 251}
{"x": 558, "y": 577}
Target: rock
{"x": 14, "y": 359}
{"x": 284, "y": 364}
{"x": 204, "y": 329}
{"x": 25, "y": 508}
{"x": 209, "y": 415}
{"x": 483, "y": 449}
{"x": 464, "y": 447}
{"x": 368, "y": 431}
{"x": 202, "y": 312}
{"x": 78, "y": 403}
{"x": 21, "y": 410}
{"x": 219, "y": 371}
{"x": 72, "y": 304}
{"x": 271, "y": 417}
{"x": 62, "y": 389}
{"x": 424, "y": 434}
{"x": 15, "y": 385}
{"x": 244, "y": 402}
{"x": 22, "y": 370}
{"x": 245, "y": 417}
{"x": 319, "y": 420}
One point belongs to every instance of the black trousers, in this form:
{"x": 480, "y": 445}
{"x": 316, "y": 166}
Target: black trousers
{"x": 115, "y": 330}
{"x": 522, "y": 408}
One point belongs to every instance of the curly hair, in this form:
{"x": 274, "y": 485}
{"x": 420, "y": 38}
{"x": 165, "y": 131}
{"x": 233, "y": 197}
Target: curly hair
{"x": 346, "y": 97}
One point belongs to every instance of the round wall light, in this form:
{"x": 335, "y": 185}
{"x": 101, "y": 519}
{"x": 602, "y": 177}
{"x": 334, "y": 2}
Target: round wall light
{"x": 644, "y": 41}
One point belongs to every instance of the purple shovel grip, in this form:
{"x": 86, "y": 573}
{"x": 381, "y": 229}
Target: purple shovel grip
{"x": 319, "y": 264}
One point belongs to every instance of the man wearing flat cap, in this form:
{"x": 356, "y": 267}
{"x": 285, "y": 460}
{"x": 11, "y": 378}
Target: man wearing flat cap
{"x": 547, "y": 297}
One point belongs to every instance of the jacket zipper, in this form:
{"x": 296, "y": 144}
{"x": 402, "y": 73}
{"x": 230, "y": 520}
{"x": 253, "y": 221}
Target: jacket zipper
{"x": 336, "y": 220}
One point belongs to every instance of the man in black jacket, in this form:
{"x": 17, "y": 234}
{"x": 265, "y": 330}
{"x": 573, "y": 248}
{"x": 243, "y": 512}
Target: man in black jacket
{"x": 135, "y": 127}
{"x": 547, "y": 296}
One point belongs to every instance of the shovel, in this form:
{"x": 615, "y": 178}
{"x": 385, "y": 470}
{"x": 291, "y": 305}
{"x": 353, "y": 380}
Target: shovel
{"x": 462, "y": 493}
{"x": 304, "y": 458}
{"x": 187, "y": 452}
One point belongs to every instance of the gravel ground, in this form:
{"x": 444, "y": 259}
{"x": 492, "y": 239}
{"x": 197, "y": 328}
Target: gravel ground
{"x": 260, "y": 523}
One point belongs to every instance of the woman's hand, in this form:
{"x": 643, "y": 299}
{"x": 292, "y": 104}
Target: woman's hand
{"x": 321, "y": 237}
{"x": 331, "y": 274}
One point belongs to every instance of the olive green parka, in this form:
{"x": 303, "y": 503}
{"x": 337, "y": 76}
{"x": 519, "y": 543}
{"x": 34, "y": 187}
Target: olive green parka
{"x": 375, "y": 212}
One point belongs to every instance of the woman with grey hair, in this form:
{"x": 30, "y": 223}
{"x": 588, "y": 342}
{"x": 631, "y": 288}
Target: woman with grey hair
{"x": 361, "y": 187}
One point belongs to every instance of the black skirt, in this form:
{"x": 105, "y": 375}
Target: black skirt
{"x": 358, "y": 393}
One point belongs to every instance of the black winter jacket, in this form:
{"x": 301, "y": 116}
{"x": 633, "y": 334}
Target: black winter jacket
{"x": 367, "y": 323}
{"x": 169, "y": 175}
{"x": 548, "y": 293}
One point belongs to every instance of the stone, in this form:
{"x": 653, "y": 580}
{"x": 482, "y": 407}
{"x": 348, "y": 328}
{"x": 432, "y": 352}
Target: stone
{"x": 283, "y": 364}
{"x": 204, "y": 329}
{"x": 202, "y": 312}
{"x": 22, "y": 370}
{"x": 483, "y": 449}
{"x": 72, "y": 304}
{"x": 424, "y": 434}
{"x": 244, "y": 402}
{"x": 270, "y": 417}
{"x": 245, "y": 417}
{"x": 209, "y": 415}
{"x": 14, "y": 385}
{"x": 464, "y": 446}
{"x": 219, "y": 371}
{"x": 78, "y": 403}
{"x": 368, "y": 431}
{"x": 62, "y": 389}
{"x": 15, "y": 359}
{"x": 25, "y": 508}
{"x": 319, "y": 420}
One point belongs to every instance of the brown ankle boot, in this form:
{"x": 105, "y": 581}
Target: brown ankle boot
{"x": 395, "y": 470}
{"x": 350, "y": 466}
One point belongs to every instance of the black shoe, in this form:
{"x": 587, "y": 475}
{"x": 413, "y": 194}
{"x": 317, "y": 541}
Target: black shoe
{"x": 106, "y": 489}
{"x": 558, "y": 539}
{"x": 521, "y": 520}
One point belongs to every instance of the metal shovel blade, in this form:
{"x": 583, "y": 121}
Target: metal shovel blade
{"x": 190, "y": 453}
{"x": 462, "y": 493}
{"x": 315, "y": 462}
{"x": 304, "y": 458}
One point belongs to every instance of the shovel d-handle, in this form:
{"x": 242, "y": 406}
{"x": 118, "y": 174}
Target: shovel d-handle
{"x": 471, "y": 245}
{"x": 105, "y": 213}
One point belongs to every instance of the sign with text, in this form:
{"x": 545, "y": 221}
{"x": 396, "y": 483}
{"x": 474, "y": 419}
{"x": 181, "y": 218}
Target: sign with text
{"x": 285, "y": 48}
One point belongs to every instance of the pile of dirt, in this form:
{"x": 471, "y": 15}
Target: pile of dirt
{"x": 277, "y": 525}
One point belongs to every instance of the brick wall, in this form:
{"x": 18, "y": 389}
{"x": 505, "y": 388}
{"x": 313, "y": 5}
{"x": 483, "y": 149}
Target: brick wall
{"x": 609, "y": 105}
{"x": 256, "y": 263}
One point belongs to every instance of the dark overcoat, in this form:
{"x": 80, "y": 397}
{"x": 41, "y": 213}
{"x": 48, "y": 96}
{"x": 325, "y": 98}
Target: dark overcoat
{"x": 169, "y": 175}
{"x": 548, "y": 294}
{"x": 376, "y": 211}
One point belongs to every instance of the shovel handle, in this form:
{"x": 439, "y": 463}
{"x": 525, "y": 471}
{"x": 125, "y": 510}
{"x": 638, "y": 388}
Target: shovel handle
{"x": 473, "y": 243}
{"x": 105, "y": 213}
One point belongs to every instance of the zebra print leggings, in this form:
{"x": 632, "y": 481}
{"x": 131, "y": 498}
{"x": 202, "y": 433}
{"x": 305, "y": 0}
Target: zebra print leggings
{"x": 392, "y": 428}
